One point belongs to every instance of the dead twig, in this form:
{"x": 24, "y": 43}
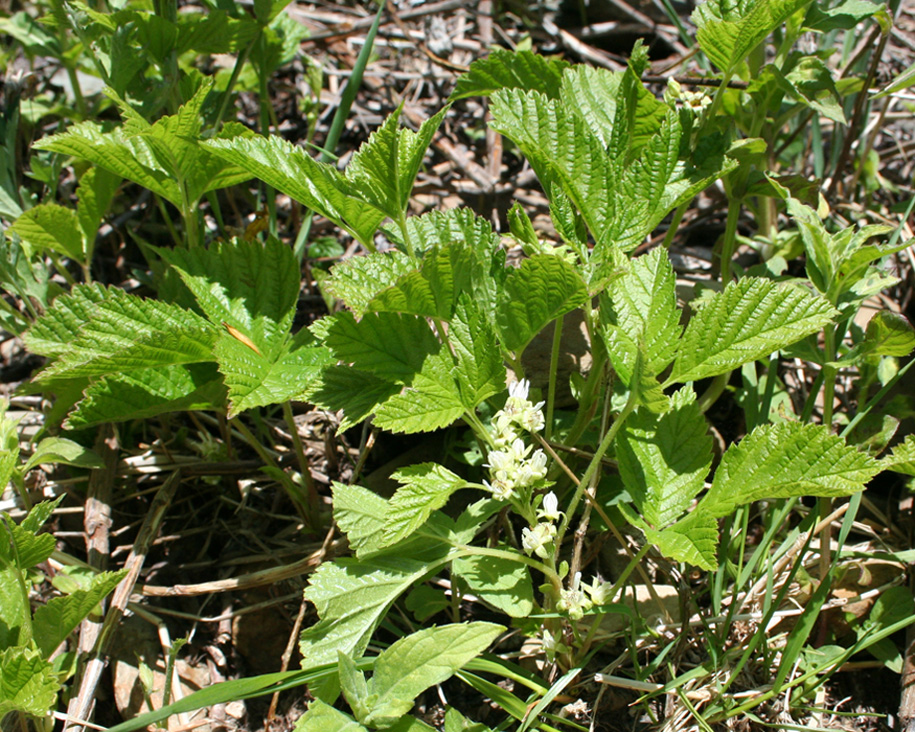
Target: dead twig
{"x": 81, "y": 704}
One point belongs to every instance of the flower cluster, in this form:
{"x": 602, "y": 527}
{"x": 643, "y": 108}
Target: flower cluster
{"x": 515, "y": 465}
{"x": 537, "y": 539}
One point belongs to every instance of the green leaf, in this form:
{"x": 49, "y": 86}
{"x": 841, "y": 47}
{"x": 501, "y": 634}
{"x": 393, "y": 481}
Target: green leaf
{"x": 165, "y": 158}
{"x": 539, "y": 291}
{"x": 389, "y": 345}
{"x": 664, "y": 459}
{"x": 423, "y": 659}
{"x": 48, "y": 226}
{"x": 839, "y": 263}
{"x": 9, "y": 444}
{"x": 629, "y": 359}
{"x": 429, "y": 402}
{"x": 52, "y": 334}
{"x": 458, "y": 227}
{"x": 27, "y": 683}
{"x": 693, "y": 539}
{"x": 266, "y": 10}
{"x": 457, "y": 722}
{"x": 433, "y": 290}
{"x": 903, "y": 81}
{"x": 127, "y": 333}
{"x": 621, "y": 193}
{"x": 256, "y": 379}
{"x": 889, "y": 334}
{"x": 213, "y": 32}
{"x": 61, "y": 451}
{"x": 14, "y": 606}
{"x": 358, "y": 280}
{"x": 383, "y": 170}
{"x": 250, "y": 286}
{"x": 354, "y": 686}
{"x": 480, "y": 371}
{"x": 644, "y": 305}
{"x": 563, "y": 151}
{"x": 727, "y": 31}
{"x": 749, "y": 320}
{"x": 810, "y": 82}
{"x": 292, "y": 171}
{"x": 21, "y": 547}
{"x": 60, "y": 616}
{"x": 783, "y": 460}
{"x": 352, "y": 597}
{"x": 844, "y": 16}
{"x": 902, "y": 459}
{"x": 39, "y": 514}
{"x": 96, "y": 190}
{"x": 607, "y": 99}
{"x": 149, "y": 392}
{"x": 500, "y": 582}
{"x": 356, "y": 392}
{"x": 506, "y": 70}
{"x": 360, "y": 514}
{"x": 423, "y": 489}
{"x": 322, "y": 717}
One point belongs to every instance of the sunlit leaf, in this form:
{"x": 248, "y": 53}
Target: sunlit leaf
{"x": 749, "y": 320}
{"x": 503, "y": 69}
{"x": 783, "y": 460}
{"x": 664, "y": 459}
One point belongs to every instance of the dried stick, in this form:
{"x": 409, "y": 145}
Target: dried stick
{"x": 81, "y": 705}
{"x": 97, "y": 523}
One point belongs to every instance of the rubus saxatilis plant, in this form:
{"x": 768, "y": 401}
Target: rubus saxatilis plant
{"x": 432, "y": 323}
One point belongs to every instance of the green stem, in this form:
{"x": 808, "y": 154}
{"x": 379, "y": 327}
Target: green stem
{"x": 233, "y": 79}
{"x": 304, "y": 465}
{"x": 191, "y": 227}
{"x": 77, "y": 90}
{"x": 265, "y": 109}
{"x": 478, "y": 428}
{"x": 593, "y": 466}
{"x": 253, "y": 442}
{"x": 714, "y": 390}
{"x": 554, "y": 367}
{"x": 168, "y": 220}
{"x": 405, "y": 233}
{"x": 674, "y": 225}
{"x": 829, "y": 375}
{"x": 729, "y": 243}
{"x": 587, "y": 401}
{"x": 61, "y": 270}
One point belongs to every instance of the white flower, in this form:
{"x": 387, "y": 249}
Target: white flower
{"x": 574, "y": 601}
{"x": 550, "y": 509}
{"x": 502, "y": 487}
{"x": 599, "y": 591}
{"x": 538, "y": 539}
{"x": 519, "y": 450}
{"x": 553, "y": 645}
{"x": 537, "y": 464}
{"x": 501, "y": 460}
{"x": 519, "y": 389}
{"x": 503, "y": 430}
{"x": 531, "y": 418}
